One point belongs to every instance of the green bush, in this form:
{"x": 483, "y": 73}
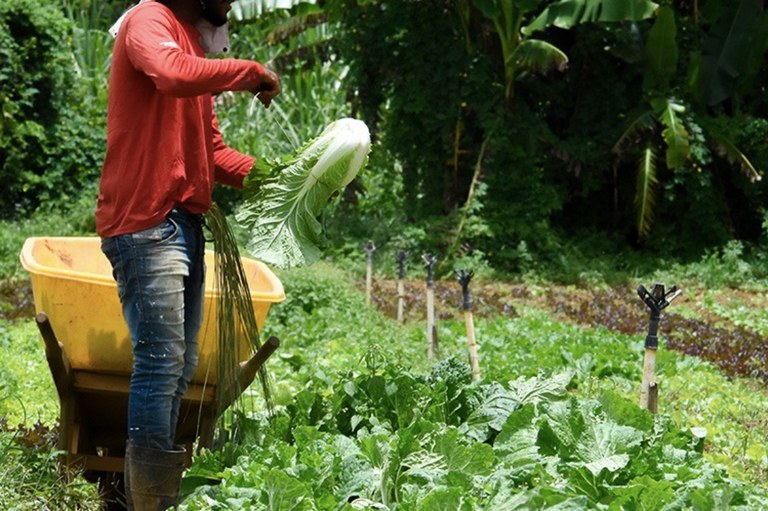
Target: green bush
{"x": 75, "y": 218}
{"x": 51, "y": 139}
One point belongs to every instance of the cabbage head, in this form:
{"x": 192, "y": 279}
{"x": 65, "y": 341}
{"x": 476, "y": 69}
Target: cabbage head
{"x": 281, "y": 213}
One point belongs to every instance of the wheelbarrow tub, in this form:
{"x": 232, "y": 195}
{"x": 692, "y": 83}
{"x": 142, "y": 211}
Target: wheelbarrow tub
{"x": 72, "y": 283}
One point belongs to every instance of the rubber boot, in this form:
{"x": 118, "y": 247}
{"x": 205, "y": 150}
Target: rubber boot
{"x": 153, "y": 478}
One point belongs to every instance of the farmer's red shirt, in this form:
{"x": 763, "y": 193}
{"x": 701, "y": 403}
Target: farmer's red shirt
{"x": 164, "y": 147}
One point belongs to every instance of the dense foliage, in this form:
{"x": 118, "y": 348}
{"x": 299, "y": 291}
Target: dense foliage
{"x": 610, "y": 129}
{"x": 503, "y": 132}
{"x": 352, "y": 384}
{"x": 51, "y": 139}
{"x": 654, "y": 127}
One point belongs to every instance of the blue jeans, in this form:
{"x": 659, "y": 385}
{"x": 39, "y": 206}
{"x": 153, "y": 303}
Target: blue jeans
{"x": 160, "y": 274}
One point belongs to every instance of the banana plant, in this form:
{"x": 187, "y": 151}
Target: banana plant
{"x": 251, "y": 9}
{"x": 521, "y": 52}
{"x": 664, "y": 119}
{"x": 666, "y": 124}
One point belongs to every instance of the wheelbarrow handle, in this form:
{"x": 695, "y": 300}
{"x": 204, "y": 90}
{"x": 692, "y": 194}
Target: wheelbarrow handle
{"x": 246, "y": 372}
{"x": 57, "y": 358}
{"x": 248, "y": 369}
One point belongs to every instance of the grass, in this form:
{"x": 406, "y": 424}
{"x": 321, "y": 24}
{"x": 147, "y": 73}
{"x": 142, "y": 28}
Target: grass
{"x": 31, "y": 478}
{"x": 695, "y": 394}
{"x": 27, "y": 395}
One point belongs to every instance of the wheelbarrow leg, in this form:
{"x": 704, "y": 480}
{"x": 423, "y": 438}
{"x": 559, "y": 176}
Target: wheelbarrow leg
{"x": 110, "y": 483}
{"x": 62, "y": 379}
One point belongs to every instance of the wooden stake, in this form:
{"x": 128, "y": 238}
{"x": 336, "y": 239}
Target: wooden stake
{"x": 649, "y": 367}
{"x": 431, "y": 338}
{"x": 464, "y": 278}
{"x": 432, "y": 347}
{"x": 401, "y": 256}
{"x": 474, "y": 361}
{"x": 370, "y": 248}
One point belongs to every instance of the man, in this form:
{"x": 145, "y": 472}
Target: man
{"x": 164, "y": 153}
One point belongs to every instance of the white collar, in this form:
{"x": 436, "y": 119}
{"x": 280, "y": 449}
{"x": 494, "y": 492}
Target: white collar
{"x": 213, "y": 39}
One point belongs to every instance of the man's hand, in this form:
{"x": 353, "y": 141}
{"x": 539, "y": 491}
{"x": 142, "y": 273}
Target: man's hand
{"x": 268, "y": 88}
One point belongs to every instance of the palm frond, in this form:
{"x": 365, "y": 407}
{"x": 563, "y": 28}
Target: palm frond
{"x": 646, "y": 191}
{"x": 538, "y": 56}
{"x": 637, "y": 129}
{"x": 567, "y": 14}
{"x": 727, "y": 149}
{"x": 661, "y": 51}
{"x": 675, "y": 135}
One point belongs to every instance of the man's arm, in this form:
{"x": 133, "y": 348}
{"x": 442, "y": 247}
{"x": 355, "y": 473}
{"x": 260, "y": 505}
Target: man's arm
{"x": 152, "y": 48}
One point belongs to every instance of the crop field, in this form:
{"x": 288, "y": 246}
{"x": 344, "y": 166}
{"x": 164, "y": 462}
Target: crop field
{"x": 365, "y": 421}
{"x": 565, "y": 151}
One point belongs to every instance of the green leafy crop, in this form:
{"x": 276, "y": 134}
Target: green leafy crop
{"x": 282, "y": 213}
{"x": 387, "y": 440}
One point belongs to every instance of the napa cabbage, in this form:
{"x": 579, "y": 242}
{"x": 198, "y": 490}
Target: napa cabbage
{"x": 281, "y": 213}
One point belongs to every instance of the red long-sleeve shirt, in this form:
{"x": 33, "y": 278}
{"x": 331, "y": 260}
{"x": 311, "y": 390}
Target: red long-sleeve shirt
{"x": 164, "y": 147}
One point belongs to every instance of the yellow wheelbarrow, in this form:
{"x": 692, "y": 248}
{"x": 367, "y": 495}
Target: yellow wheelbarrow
{"x": 88, "y": 349}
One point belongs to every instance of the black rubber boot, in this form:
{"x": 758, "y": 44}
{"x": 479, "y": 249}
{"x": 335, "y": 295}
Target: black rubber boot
{"x": 152, "y": 478}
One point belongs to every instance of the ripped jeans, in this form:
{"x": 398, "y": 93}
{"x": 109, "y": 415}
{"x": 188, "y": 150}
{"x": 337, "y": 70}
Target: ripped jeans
{"x": 160, "y": 274}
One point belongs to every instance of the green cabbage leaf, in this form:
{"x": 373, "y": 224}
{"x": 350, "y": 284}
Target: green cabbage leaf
{"x": 280, "y": 214}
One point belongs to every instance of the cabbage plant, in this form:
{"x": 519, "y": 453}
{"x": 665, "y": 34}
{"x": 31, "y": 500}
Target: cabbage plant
{"x": 281, "y": 213}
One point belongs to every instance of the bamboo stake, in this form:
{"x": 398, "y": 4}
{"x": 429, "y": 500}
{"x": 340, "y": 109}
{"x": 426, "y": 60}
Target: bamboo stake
{"x": 649, "y": 368}
{"x": 433, "y": 350}
{"x": 657, "y": 300}
{"x": 401, "y": 256}
{"x": 370, "y": 249}
{"x": 464, "y": 278}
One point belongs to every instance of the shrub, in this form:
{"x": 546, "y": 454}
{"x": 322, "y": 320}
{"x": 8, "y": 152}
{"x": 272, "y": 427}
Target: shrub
{"x": 51, "y": 139}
